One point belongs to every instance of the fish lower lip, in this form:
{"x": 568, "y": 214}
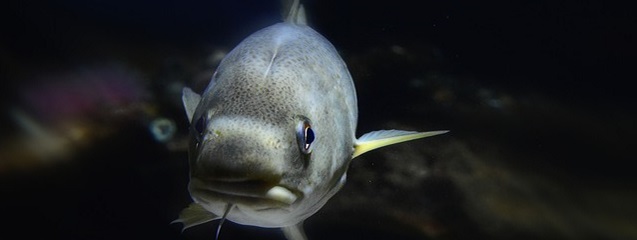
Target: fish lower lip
{"x": 246, "y": 191}
{"x": 281, "y": 194}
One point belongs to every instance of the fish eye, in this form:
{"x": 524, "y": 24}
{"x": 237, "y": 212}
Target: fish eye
{"x": 200, "y": 125}
{"x": 305, "y": 136}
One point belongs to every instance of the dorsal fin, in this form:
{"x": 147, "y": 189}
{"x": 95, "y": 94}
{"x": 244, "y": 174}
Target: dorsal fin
{"x": 296, "y": 13}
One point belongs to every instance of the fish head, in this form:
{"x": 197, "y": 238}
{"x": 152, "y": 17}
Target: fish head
{"x": 271, "y": 172}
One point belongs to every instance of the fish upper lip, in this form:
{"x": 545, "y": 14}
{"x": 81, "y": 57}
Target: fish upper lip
{"x": 249, "y": 191}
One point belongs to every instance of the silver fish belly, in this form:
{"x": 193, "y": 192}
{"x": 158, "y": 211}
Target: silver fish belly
{"x": 273, "y": 134}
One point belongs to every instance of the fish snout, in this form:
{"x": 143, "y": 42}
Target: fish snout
{"x": 236, "y": 159}
{"x": 241, "y": 169}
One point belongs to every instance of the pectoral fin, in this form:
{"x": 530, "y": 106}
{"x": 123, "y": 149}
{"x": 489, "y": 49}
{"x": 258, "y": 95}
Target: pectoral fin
{"x": 194, "y": 215}
{"x": 190, "y": 100}
{"x": 378, "y": 139}
{"x": 294, "y": 232}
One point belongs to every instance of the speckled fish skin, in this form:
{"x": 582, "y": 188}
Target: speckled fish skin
{"x": 261, "y": 91}
{"x": 272, "y": 135}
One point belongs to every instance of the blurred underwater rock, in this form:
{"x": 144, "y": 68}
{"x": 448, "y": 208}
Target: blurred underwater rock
{"x": 60, "y": 113}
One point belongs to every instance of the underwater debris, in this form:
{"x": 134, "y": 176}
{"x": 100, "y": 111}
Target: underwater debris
{"x": 162, "y": 129}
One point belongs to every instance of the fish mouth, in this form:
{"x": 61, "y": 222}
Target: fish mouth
{"x": 259, "y": 195}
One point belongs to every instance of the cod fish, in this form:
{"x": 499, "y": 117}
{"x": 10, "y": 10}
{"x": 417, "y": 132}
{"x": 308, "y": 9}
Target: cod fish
{"x": 273, "y": 133}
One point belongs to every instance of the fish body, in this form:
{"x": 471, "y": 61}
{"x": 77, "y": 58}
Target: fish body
{"x": 273, "y": 134}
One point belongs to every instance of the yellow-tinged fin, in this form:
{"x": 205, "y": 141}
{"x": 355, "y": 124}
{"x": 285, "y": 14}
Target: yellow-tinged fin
{"x": 194, "y": 215}
{"x": 378, "y": 139}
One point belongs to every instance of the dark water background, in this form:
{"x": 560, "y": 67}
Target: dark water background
{"x": 537, "y": 94}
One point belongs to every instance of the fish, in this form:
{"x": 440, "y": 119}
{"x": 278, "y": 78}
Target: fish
{"x": 273, "y": 134}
